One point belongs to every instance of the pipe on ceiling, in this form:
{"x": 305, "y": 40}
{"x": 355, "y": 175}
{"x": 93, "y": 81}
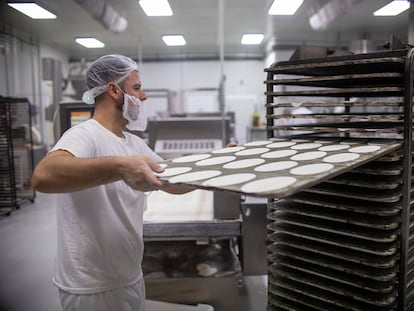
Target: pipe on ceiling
{"x": 104, "y": 13}
{"x": 329, "y": 12}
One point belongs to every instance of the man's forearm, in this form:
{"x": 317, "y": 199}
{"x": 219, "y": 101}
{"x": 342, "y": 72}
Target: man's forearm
{"x": 63, "y": 173}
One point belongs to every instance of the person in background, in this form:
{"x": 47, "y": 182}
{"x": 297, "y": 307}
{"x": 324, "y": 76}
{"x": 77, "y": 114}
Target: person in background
{"x": 101, "y": 173}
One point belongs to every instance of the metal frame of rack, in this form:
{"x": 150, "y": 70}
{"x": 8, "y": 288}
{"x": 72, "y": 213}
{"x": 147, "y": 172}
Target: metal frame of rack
{"x": 16, "y": 147}
{"x": 346, "y": 243}
{"x": 8, "y": 196}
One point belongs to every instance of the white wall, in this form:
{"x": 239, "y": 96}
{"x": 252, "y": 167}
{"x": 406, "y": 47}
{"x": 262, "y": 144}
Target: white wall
{"x": 244, "y": 88}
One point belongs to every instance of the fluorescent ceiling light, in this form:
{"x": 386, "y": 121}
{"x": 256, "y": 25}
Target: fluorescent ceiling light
{"x": 32, "y": 10}
{"x": 254, "y": 38}
{"x": 284, "y": 7}
{"x": 174, "y": 40}
{"x": 393, "y": 8}
{"x": 156, "y": 7}
{"x": 90, "y": 43}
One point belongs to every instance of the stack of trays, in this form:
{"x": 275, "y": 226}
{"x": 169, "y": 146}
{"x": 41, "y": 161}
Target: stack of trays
{"x": 336, "y": 246}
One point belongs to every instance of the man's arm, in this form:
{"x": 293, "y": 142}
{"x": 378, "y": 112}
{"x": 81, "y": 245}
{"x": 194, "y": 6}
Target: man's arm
{"x": 60, "y": 171}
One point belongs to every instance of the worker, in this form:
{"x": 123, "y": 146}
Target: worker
{"x": 101, "y": 173}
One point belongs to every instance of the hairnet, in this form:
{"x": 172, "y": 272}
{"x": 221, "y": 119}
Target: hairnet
{"x": 105, "y": 69}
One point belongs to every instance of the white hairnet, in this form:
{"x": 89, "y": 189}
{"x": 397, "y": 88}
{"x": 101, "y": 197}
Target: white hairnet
{"x": 105, "y": 69}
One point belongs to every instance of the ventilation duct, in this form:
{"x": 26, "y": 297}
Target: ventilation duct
{"x": 105, "y": 14}
{"x": 329, "y": 12}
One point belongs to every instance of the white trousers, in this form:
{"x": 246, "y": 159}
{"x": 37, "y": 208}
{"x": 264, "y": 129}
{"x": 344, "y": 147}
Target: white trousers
{"x": 131, "y": 298}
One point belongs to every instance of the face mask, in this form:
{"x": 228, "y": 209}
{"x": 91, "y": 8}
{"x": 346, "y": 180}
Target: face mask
{"x": 133, "y": 110}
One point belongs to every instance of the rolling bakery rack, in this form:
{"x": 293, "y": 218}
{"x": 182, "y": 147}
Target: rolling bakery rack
{"x": 16, "y": 154}
{"x": 346, "y": 243}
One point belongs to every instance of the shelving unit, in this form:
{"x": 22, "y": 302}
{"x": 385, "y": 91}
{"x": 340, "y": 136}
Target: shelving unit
{"x": 346, "y": 243}
{"x": 16, "y": 149}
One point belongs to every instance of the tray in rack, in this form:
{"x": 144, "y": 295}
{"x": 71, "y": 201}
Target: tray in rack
{"x": 276, "y": 167}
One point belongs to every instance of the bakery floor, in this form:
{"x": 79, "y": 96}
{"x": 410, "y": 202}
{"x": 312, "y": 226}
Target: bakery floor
{"x": 27, "y": 252}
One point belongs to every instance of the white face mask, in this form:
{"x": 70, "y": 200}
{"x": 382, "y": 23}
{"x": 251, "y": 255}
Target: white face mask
{"x": 133, "y": 110}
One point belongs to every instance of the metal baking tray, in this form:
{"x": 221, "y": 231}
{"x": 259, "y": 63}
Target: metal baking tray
{"x": 333, "y": 251}
{"x": 346, "y": 81}
{"x": 341, "y": 216}
{"x": 381, "y": 62}
{"x": 328, "y": 200}
{"x": 334, "y": 239}
{"x": 331, "y": 290}
{"x": 372, "y": 273}
{"x": 344, "y": 229}
{"x": 331, "y": 274}
{"x": 274, "y": 168}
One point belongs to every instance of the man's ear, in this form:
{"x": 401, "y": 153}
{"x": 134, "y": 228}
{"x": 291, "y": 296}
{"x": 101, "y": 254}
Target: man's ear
{"x": 114, "y": 91}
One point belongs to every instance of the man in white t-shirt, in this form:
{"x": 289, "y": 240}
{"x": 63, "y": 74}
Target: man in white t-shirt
{"x": 101, "y": 173}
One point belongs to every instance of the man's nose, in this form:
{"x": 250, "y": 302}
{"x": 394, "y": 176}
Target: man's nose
{"x": 143, "y": 96}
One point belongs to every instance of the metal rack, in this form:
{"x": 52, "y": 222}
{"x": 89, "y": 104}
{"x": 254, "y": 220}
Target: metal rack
{"x": 16, "y": 148}
{"x": 346, "y": 243}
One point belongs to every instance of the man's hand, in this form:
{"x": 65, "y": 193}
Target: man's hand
{"x": 138, "y": 173}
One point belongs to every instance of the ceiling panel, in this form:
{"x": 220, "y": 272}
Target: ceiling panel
{"x": 198, "y": 21}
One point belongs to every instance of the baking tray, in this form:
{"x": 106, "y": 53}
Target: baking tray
{"x": 346, "y": 204}
{"x": 337, "y": 215}
{"x": 331, "y": 290}
{"x": 276, "y": 167}
{"x": 344, "y": 229}
{"x": 333, "y": 251}
{"x": 334, "y": 239}
{"x": 372, "y": 273}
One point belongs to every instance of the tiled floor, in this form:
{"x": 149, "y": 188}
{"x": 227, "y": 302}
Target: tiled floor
{"x": 27, "y": 251}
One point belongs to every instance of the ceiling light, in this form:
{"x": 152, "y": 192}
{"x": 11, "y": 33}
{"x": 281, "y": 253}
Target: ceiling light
{"x": 32, "y": 10}
{"x": 90, "y": 43}
{"x": 284, "y": 7}
{"x": 254, "y": 38}
{"x": 174, "y": 40}
{"x": 156, "y": 7}
{"x": 393, "y": 8}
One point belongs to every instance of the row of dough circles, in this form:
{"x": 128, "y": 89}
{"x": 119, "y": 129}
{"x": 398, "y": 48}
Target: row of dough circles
{"x": 248, "y": 181}
{"x": 186, "y": 173}
{"x": 233, "y": 162}
{"x": 264, "y": 152}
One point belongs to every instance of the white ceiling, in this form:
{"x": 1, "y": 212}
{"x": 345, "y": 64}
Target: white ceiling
{"x": 198, "y": 21}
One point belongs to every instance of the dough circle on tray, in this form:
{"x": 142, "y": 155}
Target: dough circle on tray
{"x": 228, "y": 180}
{"x": 311, "y": 169}
{"x": 278, "y": 154}
{"x": 364, "y": 149}
{"x": 268, "y": 184}
{"x": 243, "y": 163}
{"x": 174, "y": 171}
{"x": 306, "y": 146}
{"x": 341, "y": 157}
{"x": 334, "y": 147}
{"x": 214, "y": 161}
{"x": 252, "y": 151}
{"x": 194, "y": 176}
{"x": 257, "y": 143}
{"x": 276, "y": 166}
{"x": 281, "y": 144}
{"x": 308, "y": 155}
{"x": 228, "y": 149}
{"x": 192, "y": 158}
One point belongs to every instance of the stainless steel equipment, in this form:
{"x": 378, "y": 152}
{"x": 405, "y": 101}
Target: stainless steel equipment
{"x": 172, "y": 137}
{"x": 346, "y": 243}
{"x": 194, "y": 261}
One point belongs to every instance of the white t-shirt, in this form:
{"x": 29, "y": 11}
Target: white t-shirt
{"x": 100, "y": 243}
